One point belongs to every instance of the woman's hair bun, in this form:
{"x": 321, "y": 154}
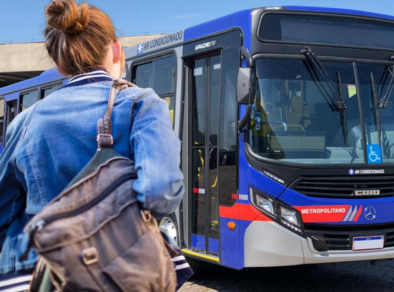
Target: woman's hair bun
{"x": 67, "y": 16}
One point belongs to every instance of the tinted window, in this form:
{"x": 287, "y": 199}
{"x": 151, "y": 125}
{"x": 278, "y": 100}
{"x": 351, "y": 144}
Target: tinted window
{"x": 293, "y": 117}
{"x": 164, "y": 75}
{"x": 228, "y": 128}
{"x": 28, "y": 100}
{"x": 47, "y": 91}
{"x": 10, "y": 113}
{"x": 1, "y": 118}
{"x": 199, "y": 107}
{"x": 143, "y": 76}
{"x": 214, "y": 92}
{"x": 171, "y": 106}
{"x": 327, "y": 30}
{"x": 379, "y": 122}
{"x": 158, "y": 74}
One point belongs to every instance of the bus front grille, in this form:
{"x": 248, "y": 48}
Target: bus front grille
{"x": 345, "y": 186}
{"x": 341, "y": 237}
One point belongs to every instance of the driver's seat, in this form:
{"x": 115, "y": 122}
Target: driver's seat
{"x": 296, "y": 114}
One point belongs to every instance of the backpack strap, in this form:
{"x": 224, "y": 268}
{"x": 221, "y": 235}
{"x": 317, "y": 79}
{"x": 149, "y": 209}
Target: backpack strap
{"x": 104, "y": 125}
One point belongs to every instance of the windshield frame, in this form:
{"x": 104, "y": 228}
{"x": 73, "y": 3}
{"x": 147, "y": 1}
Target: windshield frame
{"x": 354, "y": 62}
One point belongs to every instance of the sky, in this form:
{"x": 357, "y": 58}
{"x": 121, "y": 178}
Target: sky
{"x": 24, "y": 20}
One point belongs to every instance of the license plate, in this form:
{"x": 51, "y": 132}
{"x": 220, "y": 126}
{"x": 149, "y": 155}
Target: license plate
{"x": 368, "y": 242}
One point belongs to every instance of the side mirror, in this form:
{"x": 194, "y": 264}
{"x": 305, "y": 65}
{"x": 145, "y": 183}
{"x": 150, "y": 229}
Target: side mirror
{"x": 245, "y": 88}
{"x": 246, "y": 85}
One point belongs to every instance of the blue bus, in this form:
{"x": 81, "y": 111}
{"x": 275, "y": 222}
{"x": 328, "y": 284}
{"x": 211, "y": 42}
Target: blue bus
{"x": 287, "y": 128}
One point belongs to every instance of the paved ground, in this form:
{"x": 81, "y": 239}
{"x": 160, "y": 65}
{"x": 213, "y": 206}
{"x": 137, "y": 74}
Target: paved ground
{"x": 359, "y": 277}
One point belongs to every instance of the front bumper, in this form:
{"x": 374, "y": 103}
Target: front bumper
{"x": 267, "y": 244}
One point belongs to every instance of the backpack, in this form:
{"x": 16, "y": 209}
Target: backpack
{"x": 95, "y": 236}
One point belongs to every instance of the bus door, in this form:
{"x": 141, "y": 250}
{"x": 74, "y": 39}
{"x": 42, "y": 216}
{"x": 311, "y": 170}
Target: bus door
{"x": 204, "y": 127}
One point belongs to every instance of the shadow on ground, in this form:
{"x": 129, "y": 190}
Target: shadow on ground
{"x": 356, "y": 276}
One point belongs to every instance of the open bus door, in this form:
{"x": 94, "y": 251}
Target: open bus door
{"x": 203, "y": 167}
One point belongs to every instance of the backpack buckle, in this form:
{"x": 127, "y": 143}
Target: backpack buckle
{"x": 102, "y": 141}
{"x": 146, "y": 216}
{"x": 89, "y": 256}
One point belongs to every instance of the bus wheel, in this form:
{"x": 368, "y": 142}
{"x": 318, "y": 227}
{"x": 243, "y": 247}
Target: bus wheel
{"x": 167, "y": 225}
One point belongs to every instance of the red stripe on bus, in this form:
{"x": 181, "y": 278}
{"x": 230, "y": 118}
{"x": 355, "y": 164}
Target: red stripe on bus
{"x": 358, "y": 214}
{"x": 243, "y": 212}
{"x": 312, "y": 214}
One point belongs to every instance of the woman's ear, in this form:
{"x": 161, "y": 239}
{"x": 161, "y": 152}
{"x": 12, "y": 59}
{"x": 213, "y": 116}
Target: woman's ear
{"x": 116, "y": 52}
{"x": 61, "y": 72}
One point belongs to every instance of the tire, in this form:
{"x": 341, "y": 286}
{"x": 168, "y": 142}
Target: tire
{"x": 169, "y": 226}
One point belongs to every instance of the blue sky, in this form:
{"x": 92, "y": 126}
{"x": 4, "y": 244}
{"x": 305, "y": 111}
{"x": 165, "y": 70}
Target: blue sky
{"x": 24, "y": 20}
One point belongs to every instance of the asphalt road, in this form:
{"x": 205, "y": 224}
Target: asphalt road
{"x": 355, "y": 276}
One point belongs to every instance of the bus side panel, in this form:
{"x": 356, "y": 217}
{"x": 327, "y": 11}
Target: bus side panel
{"x": 247, "y": 213}
{"x": 234, "y": 222}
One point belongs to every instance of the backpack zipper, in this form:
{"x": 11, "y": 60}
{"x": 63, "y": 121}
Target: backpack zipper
{"x": 40, "y": 224}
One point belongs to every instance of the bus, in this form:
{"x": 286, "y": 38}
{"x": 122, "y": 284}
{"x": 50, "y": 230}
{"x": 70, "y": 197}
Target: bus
{"x": 287, "y": 127}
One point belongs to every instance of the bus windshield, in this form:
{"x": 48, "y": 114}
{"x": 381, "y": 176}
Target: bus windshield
{"x": 295, "y": 118}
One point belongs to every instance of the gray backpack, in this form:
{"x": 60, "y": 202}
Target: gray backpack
{"x": 95, "y": 236}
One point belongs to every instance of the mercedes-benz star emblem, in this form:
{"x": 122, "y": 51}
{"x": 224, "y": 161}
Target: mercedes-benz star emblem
{"x": 370, "y": 213}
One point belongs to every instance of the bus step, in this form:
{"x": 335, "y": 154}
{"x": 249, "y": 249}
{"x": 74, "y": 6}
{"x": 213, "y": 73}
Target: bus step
{"x": 200, "y": 255}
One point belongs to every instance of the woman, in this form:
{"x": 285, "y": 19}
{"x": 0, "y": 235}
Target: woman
{"x": 49, "y": 143}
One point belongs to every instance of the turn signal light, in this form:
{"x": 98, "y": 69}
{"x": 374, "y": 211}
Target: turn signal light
{"x": 231, "y": 225}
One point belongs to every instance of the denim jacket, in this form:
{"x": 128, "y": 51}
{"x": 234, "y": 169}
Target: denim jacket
{"x": 50, "y": 142}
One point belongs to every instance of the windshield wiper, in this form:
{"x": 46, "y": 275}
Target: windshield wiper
{"x": 386, "y": 98}
{"x": 376, "y": 106}
{"x": 310, "y": 55}
{"x": 340, "y": 104}
{"x": 342, "y": 109}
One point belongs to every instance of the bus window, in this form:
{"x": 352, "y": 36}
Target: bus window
{"x": 10, "y": 113}
{"x": 28, "y": 100}
{"x": 143, "y": 75}
{"x": 164, "y": 75}
{"x": 47, "y": 91}
{"x": 1, "y": 119}
{"x": 171, "y": 106}
{"x": 160, "y": 76}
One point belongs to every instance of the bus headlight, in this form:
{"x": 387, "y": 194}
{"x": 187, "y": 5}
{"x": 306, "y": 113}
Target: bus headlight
{"x": 265, "y": 204}
{"x": 279, "y": 212}
{"x": 289, "y": 216}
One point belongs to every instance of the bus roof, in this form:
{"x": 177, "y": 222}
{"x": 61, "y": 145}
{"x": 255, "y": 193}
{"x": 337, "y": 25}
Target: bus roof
{"x": 226, "y": 22}
{"x": 45, "y": 77}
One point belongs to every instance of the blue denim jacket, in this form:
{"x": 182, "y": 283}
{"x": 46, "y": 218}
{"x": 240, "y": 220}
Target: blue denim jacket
{"x": 50, "y": 142}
